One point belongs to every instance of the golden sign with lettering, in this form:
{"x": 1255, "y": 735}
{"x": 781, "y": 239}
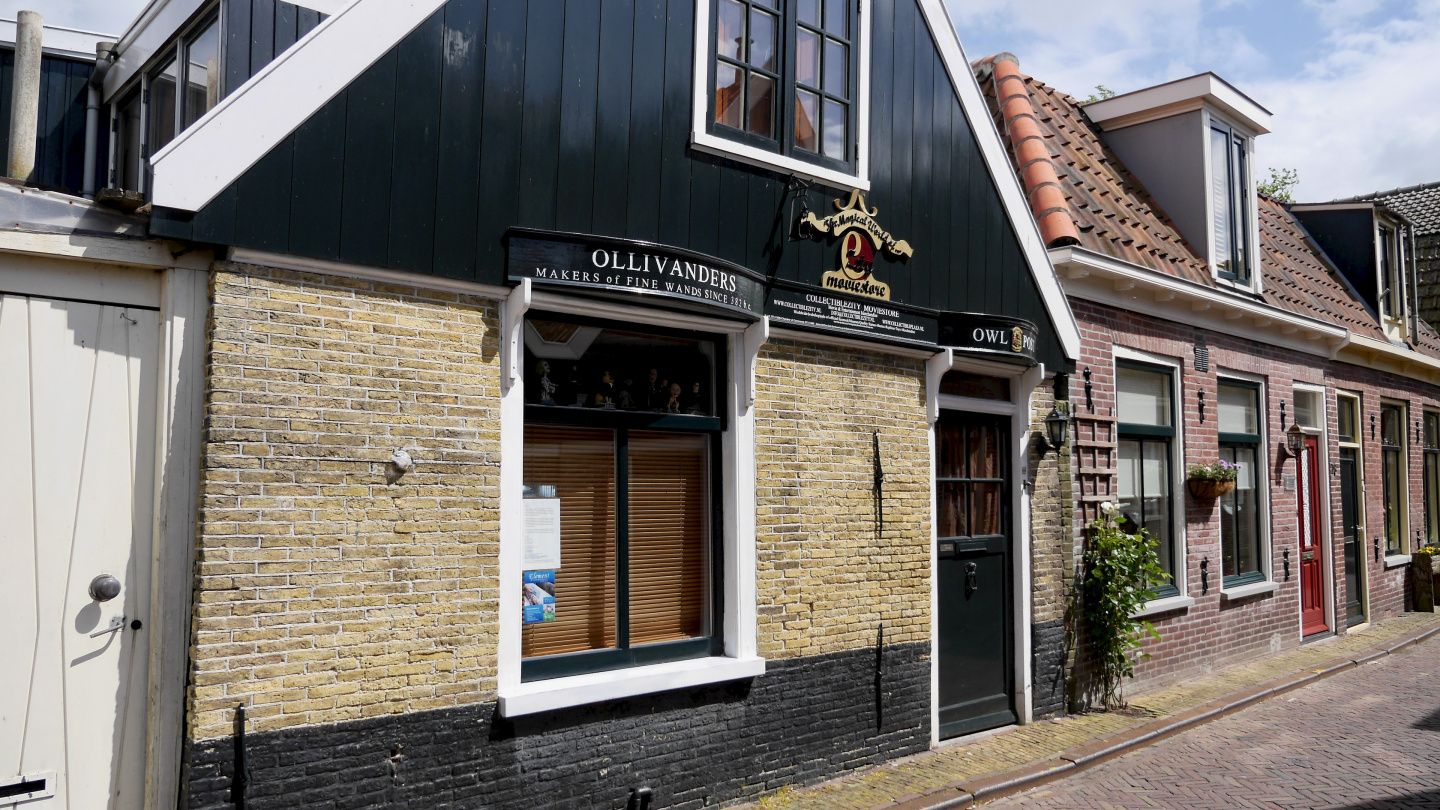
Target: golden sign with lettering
{"x": 860, "y": 237}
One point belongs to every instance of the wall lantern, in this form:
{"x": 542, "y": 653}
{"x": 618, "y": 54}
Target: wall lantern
{"x": 1294, "y": 442}
{"x": 1057, "y": 430}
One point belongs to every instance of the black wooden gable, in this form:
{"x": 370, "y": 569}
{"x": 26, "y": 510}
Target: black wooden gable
{"x": 575, "y": 116}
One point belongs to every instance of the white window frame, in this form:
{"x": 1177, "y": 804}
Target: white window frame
{"x": 1363, "y": 528}
{"x": 1262, "y": 483}
{"x": 1183, "y": 600}
{"x": 738, "y": 584}
{"x": 1394, "y": 324}
{"x": 703, "y": 140}
{"x": 1326, "y": 549}
{"x": 1406, "y": 543}
{"x": 1252, "y": 227}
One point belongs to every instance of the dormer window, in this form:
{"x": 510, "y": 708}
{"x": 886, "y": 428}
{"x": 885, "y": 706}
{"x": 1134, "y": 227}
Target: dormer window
{"x": 1230, "y": 197}
{"x": 1390, "y": 281}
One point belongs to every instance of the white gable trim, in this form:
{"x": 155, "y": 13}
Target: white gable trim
{"x": 997, "y": 159}
{"x": 206, "y": 158}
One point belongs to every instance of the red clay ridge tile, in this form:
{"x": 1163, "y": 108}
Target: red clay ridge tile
{"x": 1042, "y": 183}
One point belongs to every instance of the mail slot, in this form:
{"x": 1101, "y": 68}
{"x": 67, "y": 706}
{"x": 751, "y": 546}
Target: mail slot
{"x": 1307, "y": 556}
{"x": 947, "y": 548}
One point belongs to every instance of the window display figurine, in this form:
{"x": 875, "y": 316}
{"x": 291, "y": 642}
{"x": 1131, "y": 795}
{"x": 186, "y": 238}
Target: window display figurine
{"x": 575, "y": 386}
{"x": 626, "y": 399}
{"x": 673, "y": 405}
{"x": 547, "y": 386}
{"x": 697, "y": 405}
{"x": 605, "y": 397}
{"x": 654, "y": 392}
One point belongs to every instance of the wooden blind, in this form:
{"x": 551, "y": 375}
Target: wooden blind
{"x": 669, "y": 536}
{"x": 580, "y": 464}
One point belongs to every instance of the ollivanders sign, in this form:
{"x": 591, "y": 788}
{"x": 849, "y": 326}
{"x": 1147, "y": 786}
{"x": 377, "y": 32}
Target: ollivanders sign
{"x": 860, "y": 238}
{"x": 1010, "y": 338}
{"x": 608, "y": 266}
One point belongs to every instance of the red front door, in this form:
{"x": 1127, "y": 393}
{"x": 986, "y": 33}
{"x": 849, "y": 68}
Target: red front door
{"x": 1312, "y": 549}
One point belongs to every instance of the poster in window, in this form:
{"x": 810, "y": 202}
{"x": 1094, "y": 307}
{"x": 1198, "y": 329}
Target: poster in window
{"x": 542, "y": 533}
{"x": 539, "y": 594}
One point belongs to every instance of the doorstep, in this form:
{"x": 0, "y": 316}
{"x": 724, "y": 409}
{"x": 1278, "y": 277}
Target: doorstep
{"x": 957, "y": 776}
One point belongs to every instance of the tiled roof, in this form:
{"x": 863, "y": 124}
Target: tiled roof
{"x": 1419, "y": 204}
{"x": 1117, "y": 217}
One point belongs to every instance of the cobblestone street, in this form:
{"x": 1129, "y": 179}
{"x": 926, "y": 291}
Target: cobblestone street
{"x": 1368, "y": 738}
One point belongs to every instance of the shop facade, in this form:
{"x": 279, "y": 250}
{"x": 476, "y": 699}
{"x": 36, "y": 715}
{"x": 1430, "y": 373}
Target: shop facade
{"x": 681, "y": 441}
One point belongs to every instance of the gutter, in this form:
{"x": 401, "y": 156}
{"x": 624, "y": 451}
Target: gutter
{"x": 105, "y": 55}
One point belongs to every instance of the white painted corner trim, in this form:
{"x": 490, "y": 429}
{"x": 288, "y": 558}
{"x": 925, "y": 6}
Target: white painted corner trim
{"x": 615, "y": 684}
{"x": 206, "y": 158}
{"x": 997, "y": 160}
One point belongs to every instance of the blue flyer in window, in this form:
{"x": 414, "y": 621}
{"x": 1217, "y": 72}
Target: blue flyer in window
{"x": 539, "y": 592}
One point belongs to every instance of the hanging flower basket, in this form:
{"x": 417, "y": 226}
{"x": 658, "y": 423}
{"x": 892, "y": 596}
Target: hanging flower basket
{"x": 1208, "y": 488}
{"x": 1212, "y": 480}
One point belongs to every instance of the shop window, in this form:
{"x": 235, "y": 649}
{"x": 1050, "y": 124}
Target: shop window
{"x": 1431, "y": 434}
{"x": 1144, "y": 405}
{"x": 620, "y": 476}
{"x": 783, "y": 79}
{"x": 1393, "y": 475}
{"x": 975, "y": 386}
{"x": 1240, "y": 511}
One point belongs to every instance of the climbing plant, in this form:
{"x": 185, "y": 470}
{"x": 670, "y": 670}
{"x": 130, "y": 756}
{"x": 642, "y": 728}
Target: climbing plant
{"x": 1121, "y": 573}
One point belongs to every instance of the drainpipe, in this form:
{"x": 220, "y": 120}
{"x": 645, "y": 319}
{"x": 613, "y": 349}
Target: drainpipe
{"x": 1414, "y": 285}
{"x": 25, "y": 100}
{"x": 104, "y": 58}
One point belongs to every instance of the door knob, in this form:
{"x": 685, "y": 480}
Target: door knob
{"x": 104, "y": 588}
{"x": 971, "y": 577}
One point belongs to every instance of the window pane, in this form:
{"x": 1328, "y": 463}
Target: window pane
{"x": 950, "y": 500}
{"x": 836, "y": 122}
{"x": 1391, "y": 426}
{"x": 1220, "y": 196}
{"x": 951, "y": 436}
{"x": 762, "y": 106}
{"x": 978, "y": 386}
{"x": 807, "y": 58}
{"x": 728, "y": 95}
{"x": 762, "y": 40}
{"x": 1239, "y": 208}
{"x": 162, "y": 108}
{"x": 579, "y": 464}
{"x": 730, "y": 29}
{"x": 611, "y": 369}
{"x": 1393, "y": 472}
{"x": 1432, "y": 498}
{"x": 835, "y": 16}
{"x": 985, "y": 509}
{"x": 1155, "y": 468}
{"x": 202, "y": 73}
{"x": 1240, "y": 516}
{"x": 1308, "y": 412}
{"x": 809, "y": 12}
{"x": 837, "y": 71}
{"x": 1432, "y": 430}
{"x": 1129, "y": 472}
{"x": 984, "y": 451}
{"x": 1237, "y": 409}
{"x": 807, "y": 111}
{"x": 1142, "y": 396}
{"x": 127, "y": 153}
{"x": 1345, "y": 415}
{"x": 669, "y": 533}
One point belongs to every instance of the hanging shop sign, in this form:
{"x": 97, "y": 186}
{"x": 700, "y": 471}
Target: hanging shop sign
{"x": 860, "y": 238}
{"x": 627, "y": 267}
{"x": 1012, "y": 339}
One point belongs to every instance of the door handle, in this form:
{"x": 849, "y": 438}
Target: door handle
{"x": 971, "y": 577}
{"x": 117, "y": 623}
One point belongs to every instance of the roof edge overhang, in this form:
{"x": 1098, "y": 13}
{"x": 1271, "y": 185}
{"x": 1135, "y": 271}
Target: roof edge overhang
{"x": 1173, "y": 98}
{"x": 1384, "y": 356}
{"x": 1002, "y": 174}
{"x": 206, "y": 158}
{"x": 1102, "y": 279}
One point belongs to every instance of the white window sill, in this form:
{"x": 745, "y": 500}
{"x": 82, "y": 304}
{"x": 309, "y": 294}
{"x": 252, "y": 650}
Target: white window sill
{"x": 724, "y": 147}
{"x": 597, "y": 687}
{"x": 1165, "y": 605}
{"x": 1253, "y": 589}
{"x": 1396, "y": 560}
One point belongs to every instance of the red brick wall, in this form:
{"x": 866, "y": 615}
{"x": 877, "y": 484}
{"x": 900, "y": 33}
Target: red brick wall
{"x": 1214, "y": 632}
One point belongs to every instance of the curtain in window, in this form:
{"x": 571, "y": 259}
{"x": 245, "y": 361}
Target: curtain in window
{"x": 669, "y": 535}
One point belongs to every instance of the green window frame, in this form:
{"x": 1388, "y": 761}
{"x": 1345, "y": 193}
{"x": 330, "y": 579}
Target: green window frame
{"x": 1148, "y": 445}
{"x": 1241, "y": 511}
{"x": 1431, "y": 438}
{"x": 1393, "y": 475}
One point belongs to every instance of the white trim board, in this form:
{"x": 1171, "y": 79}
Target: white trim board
{"x": 151, "y": 28}
{"x": 997, "y": 160}
{"x": 205, "y": 159}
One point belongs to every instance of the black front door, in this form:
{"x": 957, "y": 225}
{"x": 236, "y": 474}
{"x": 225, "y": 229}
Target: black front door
{"x": 976, "y": 661}
{"x": 1354, "y": 547}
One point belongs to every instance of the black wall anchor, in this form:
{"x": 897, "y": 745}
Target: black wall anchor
{"x": 241, "y": 781}
{"x": 1089, "y": 400}
{"x": 1287, "y": 565}
{"x": 879, "y": 485}
{"x": 1204, "y": 576}
{"x": 1202, "y": 405}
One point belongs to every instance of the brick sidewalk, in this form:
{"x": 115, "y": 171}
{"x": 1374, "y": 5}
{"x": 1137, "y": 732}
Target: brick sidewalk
{"x": 987, "y": 767}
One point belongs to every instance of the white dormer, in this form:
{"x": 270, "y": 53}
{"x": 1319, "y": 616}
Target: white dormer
{"x": 1191, "y": 142}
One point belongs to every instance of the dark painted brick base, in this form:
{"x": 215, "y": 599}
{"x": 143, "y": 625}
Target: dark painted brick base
{"x": 1048, "y": 667}
{"x": 803, "y": 720}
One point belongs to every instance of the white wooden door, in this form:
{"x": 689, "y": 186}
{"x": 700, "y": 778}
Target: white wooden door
{"x": 77, "y": 425}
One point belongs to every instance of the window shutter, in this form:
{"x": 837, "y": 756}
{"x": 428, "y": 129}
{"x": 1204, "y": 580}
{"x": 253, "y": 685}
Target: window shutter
{"x": 669, "y": 536}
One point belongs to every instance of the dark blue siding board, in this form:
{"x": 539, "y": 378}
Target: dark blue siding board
{"x": 612, "y": 117}
{"x": 305, "y": 21}
{"x": 60, "y": 121}
{"x": 262, "y": 34}
{"x": 705, "y": 174}
{"x": 319, "y": 182}
{"x": 369, "y": 142}
{"x": 417, "y": 131}
{"x": 540, "y": 123}
{"x": 674, "y": 227}
{"x": 287, "y": 27}
{"x": 215, "y": 223}
{"x": 263, "y": 222}
{"x": 74, "y": 171}
{"x": 914, "y": 280}
{"x": 882, "y": 107}
{"x": 237, "y": 43}
{"x": 457, "y": 186}
{"x": 960, "y": 233}
{"x": 500, "y": 135}
{"x": 646, "y": 112}
{"x": 895, "y": 208}
{"x": 578, "y": 96}
{"x": 51, "y": 122}
{"x": 940, "y": 267}
{"x": 733, "y": 215}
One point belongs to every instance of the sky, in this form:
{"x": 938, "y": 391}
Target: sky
{"x": 1353, "y": 84}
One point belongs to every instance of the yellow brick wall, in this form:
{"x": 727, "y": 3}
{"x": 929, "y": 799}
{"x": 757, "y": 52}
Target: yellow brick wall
{"x": 825, "y": 582}
{"x": 1051, "y": 514}
{"x": 325, "y": 591}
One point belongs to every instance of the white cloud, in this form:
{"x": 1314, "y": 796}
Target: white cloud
{"x": 101, "y": 16}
